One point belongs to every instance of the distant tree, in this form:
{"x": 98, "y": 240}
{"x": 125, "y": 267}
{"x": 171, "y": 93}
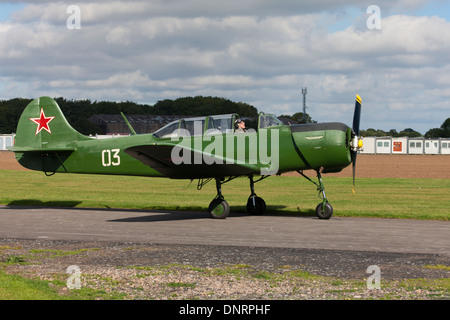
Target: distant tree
{"x": 393, "y": 133}
{"x": 446, "y": 127}
{"x": 78, "y": 112}
{"x": 434, "y": 133}
{"x": 371, "y": 132}
{"x": 446, "y": 124}
{"x": 442, "y": 132}
{"x": 298, "y": 117}
{"x": 202, "y": 106}
{"x": 408, "y": 132}
{"x": 11, "y": 110}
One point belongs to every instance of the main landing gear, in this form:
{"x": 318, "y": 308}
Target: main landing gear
{"x": 255, "y": 205}
{"x": 220, "y": 209}
{"x": 324, "y": 210}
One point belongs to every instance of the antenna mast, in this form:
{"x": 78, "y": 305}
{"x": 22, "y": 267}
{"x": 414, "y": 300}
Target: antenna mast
{"x": 304, "y": 90}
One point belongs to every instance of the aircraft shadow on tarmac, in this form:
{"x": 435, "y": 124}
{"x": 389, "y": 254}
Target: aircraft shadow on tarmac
{"x": 38, "y": 203}
{"x": 171, "y": 215}
{"x": 159, "y": 215}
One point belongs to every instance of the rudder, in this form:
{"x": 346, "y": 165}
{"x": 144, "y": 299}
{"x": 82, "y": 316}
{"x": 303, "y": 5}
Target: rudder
{"x": 42, "y": 126}
{"x": 44, "y": 139}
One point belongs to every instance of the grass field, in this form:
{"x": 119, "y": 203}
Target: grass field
{"x": 284, "y": 195}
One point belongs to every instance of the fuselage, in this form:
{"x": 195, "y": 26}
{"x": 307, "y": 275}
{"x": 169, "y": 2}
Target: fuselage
{"x": 271, "y": 150}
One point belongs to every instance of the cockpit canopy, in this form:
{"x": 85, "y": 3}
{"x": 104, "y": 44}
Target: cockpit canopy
{"x": 217, "y": 124}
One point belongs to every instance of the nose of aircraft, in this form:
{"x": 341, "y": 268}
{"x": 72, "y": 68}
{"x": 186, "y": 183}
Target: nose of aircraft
{"x": 323, "y": 145}
{"x": 331, "y": 146}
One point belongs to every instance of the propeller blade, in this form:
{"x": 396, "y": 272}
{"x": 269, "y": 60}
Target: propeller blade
{"x": 357, "y": 115}
{"x": 354, "y": 175}
{"x": 356, "y": 122}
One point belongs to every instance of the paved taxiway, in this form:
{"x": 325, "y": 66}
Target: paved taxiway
{"x": 339, "y": 233}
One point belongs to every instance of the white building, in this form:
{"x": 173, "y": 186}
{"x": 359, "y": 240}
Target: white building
{"x": 400, "y": 145}
{"x": 383, "y": 145}
{"x": 369, "y": 145}
{"x": 405, "y": 145}
{"x": 445, "y": 146}
{"x": 6, "y": 140}
{"x": 432, "y": 146}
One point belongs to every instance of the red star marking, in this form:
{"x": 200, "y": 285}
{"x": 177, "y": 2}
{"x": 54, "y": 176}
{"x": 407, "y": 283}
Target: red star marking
{"x": 42, "y": 122}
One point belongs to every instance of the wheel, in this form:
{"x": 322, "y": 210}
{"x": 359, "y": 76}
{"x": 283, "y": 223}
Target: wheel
{"x": 219, "y": 209}
{"x": 324, "y": 214}
{"x": 258, "y": 208}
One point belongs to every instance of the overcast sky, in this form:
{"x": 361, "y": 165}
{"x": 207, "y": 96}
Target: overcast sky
{"x": 261, "y": 52}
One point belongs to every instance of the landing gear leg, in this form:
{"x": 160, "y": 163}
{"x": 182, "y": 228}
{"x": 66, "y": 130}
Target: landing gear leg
{"x": 255, "y": 204}
{"x": 219, "y": 208}
{"x": 324, "y": 210}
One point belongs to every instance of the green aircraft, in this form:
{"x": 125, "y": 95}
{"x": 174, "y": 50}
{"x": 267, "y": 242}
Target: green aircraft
{"x": 204, "y": 148}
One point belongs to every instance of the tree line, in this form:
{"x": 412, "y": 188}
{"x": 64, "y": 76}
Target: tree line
{"x": 442, "y": 132}
{"x": 78, "y": 112}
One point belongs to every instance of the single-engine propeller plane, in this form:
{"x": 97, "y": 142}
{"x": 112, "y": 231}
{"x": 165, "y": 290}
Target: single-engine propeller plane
{"x": 203, "y": 148}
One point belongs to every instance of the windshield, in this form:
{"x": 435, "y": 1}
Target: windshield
{"x": 168, "y": 131}
{"x": 268, "y": 120}
{"x": 221, "y": 123}
{"x": 217, "y": 124}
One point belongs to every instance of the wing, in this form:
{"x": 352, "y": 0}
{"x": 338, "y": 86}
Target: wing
{"x": 187, "y": 163}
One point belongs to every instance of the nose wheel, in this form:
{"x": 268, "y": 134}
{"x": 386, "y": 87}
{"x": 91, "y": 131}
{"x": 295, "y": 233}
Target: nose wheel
{"x": 324, "y": 210}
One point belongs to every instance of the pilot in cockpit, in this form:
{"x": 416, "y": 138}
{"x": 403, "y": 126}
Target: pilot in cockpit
{"x": 239, "y": 126}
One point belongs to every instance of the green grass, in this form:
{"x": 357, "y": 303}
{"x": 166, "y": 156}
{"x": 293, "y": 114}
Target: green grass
{"x": 13, "y": 287}
{"x": 384, "y": 198}
{"x": 388, "y": 198}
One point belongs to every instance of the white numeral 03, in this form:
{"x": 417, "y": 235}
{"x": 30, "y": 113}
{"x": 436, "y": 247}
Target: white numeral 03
{"x": 110, "y": 157}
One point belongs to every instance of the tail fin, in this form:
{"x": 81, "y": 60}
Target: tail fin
{"x": 43, "y": 127}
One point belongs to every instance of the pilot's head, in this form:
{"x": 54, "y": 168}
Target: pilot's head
{"x": 239, "y": 123}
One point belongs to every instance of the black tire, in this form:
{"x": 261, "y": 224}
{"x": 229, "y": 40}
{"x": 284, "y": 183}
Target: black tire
{"x": 258, "y": 209}
{"x": 219, "y": 209}
{"x": 324, "y": 214}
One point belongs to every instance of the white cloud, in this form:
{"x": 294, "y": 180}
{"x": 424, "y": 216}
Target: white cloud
{"x": 151, "y": 50}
